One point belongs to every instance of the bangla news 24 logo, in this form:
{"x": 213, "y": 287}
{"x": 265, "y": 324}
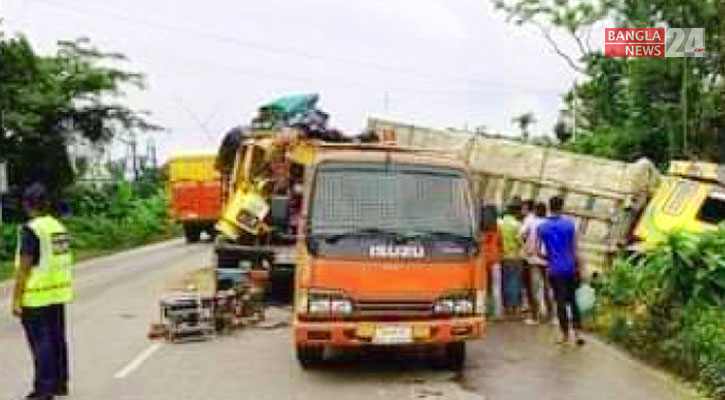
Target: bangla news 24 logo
{"x": 654, "y": 42}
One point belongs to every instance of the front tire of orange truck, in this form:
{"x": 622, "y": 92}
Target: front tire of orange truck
{"x": 192, "y": 233}
{"x": 455, "y": 356}
{"x": 310, "y": 356}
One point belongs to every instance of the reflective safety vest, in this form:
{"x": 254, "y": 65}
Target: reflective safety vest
{"x": 50, "y": 281}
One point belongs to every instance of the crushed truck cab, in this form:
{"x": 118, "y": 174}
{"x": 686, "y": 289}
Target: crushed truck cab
{"x": 691, "y": 198}
{"x": 387, "y": 253}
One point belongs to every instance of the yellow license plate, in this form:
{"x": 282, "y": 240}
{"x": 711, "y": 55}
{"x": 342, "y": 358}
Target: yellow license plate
{"x": 393, "y": 334}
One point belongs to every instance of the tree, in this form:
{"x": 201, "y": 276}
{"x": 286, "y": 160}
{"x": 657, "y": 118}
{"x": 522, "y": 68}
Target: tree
{"x": 627, "y": 108}
{"x": 576, "y": 19}
{"x": 524, "y": 121}
{"x": 46, "y": 101}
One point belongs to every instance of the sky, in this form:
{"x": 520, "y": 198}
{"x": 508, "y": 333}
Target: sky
{"x": 208, "y": 65}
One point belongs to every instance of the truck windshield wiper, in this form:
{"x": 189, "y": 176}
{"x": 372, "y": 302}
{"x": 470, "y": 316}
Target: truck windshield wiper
{"x": 364, "y": 232}
{"x": 438, "y": 235}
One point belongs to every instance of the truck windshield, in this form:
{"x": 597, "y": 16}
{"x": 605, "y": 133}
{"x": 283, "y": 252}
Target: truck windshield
{"x": 383, "y": 200}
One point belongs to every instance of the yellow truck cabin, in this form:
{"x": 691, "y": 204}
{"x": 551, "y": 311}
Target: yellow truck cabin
{"x": 691, "y": 197}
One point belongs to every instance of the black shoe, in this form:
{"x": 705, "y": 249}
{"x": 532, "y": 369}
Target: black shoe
{"x": 61, "y": 391}
{"x": 38, "y": 396}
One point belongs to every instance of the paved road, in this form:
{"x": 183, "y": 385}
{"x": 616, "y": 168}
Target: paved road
{"x": 113, "y": 359}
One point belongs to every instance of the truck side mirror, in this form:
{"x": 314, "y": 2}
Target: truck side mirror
{"x": 279, "y": 210}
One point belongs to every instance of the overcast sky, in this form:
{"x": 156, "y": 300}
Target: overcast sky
{"x": 441, "y": 63}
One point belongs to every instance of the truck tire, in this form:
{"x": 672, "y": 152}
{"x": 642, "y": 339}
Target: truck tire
{"x": 455, "y": 356}
{"x": 192, "y": 233}
{"x": 310, "y": 356}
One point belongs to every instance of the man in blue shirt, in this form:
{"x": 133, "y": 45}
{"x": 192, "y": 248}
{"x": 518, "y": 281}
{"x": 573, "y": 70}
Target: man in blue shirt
{"x": 558, "y": 237}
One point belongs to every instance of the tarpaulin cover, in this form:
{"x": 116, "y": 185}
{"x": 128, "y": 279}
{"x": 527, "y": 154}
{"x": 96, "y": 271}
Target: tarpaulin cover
{"x": 292, "y": 105}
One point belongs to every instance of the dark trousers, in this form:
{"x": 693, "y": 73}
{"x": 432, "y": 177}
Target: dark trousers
{"x": 527, "y": 276}
{"x": 564, "y": 292}
{"x": 511, "y": 281}
{"x": 45, "y": 330}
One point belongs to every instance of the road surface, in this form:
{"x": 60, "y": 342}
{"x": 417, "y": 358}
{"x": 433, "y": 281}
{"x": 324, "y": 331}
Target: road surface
{"x": 112, "y": 359}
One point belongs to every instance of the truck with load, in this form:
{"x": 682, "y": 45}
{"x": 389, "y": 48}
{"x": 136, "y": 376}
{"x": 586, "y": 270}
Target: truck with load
{"x": 618, "y": 207}
{"x": 263, "y": 166}
{"x": 195, "y": 190}
{"x": 381, "y": 239}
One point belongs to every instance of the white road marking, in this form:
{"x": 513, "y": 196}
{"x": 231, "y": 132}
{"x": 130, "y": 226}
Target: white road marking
{"x": 133, "y": 365}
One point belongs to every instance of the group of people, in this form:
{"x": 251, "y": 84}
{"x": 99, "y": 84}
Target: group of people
{"x": 532, "y": 258}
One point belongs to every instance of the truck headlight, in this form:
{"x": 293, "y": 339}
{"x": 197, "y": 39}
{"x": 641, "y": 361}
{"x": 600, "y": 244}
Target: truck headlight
{"x": 463, "y": 306}
{"x": 323, "y": 303}
{"x": 319, "y": 306}
{"x": 444, "y": 306}
{"x": 458, "y": 305}
{"x": 341, "y": 307}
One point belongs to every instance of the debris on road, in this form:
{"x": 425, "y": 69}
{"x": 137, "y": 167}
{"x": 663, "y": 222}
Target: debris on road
{"x": 194, "y": 307}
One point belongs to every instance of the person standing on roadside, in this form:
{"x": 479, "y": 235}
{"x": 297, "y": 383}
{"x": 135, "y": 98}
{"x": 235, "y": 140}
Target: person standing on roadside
{"x": 511, "y": 262}
{"x": 559, "y": 239}
{"x": 540, "y": 264}
{"x": 490, "y": 242}
{"x": 43, "y": 285}
{"x": 529, "y": 239}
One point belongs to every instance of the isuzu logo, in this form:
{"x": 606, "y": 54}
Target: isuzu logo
{"x": 393, "y": 251}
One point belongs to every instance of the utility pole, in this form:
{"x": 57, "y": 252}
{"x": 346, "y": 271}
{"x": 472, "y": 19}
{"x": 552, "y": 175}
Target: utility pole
{"x": 134, "y": 156}
{"x": 721, "y": 129}
{"x": 684, "y": 105}
{"x": 573, "y": 113}
{"x": 131, "y": 144}
{"x": 152, "y": 143}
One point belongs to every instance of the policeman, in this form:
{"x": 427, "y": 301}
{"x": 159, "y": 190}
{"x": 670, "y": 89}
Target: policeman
{"x": 43, "y": 285}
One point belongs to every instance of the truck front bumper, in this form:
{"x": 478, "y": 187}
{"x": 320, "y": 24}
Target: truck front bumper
{"x": 359, "y": 333}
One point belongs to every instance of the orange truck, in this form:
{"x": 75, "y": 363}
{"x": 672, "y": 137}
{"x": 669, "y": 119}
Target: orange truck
{"x": 196, "y": 193}
{"x": 387, "y": 253}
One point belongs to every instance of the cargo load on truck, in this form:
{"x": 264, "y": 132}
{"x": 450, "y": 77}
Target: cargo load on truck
{"x": 604, "y": 196}
{"x": 263, "y": 166}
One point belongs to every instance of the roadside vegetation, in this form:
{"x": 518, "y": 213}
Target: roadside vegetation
{"x": 75, "y": 96}
{"x": 627, "y": 108}
{"x": 112, "y": 218}
{"x": 668, "y": 307}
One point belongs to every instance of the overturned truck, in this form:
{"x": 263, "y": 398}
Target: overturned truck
{"x": 605, "y": 197}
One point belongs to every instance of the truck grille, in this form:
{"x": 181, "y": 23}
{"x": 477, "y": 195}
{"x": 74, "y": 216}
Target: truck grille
{"x": 393, "y": 310}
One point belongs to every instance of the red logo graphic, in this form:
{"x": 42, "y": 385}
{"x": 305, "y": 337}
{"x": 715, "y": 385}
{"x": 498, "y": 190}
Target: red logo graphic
{"x": 634, "y": 42}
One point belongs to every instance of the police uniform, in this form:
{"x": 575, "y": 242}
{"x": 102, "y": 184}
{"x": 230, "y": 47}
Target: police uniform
{"x": 47, "y": 289}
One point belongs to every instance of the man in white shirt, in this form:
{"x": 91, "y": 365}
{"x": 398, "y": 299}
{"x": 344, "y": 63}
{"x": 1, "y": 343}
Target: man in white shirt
{"x": 534, "y": 276}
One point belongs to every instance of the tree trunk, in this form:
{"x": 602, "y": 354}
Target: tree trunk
{"x": 721, "y": 128}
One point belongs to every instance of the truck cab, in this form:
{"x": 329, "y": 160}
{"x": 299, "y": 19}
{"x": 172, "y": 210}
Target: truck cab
{"x": 691, "y": 198}
{"x": 387, "y": 254}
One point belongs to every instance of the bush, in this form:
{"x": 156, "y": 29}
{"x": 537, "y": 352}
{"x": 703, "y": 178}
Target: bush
{"x": 667, "y": 306}
{"x": 107, "y": 219}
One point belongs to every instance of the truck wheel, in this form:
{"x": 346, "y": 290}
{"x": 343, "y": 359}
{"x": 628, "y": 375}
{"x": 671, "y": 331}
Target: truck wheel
{"x": 310, "y": 356}
{"x": 212, "y": 232}
{"x": 455, "y": 355}
{"x": 192, "y": 233}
